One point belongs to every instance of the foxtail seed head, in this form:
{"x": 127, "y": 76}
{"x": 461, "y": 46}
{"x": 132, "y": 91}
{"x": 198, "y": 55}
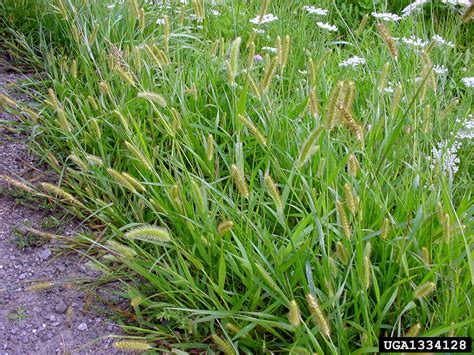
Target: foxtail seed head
{"x": 234, "y": 56}
{"x": 251, "y": 55}
{"x": 137, "y": 154}
{"x": 353, "y": 165}
{"x": 40, "y": 286}
{"x": 397, "y": 97}
{"x": 53, "y": 189}
{"x": 93, "y": 35}
{"x": 141, "y": 19}
{"x": 134, "y": 182}
{"x": 223, "y": 345}
{"x": 239, "y": 181}
{"x": 349, "y": 95}
{"x": 351, "y": 123}
{"x": 294, "y": 315}
{"x": 344, "y": 222}
{"x": 308, "y": 148}
{"x": 149, "y": 234}
{"x": 121, "y": 180}
{"x": 279, "y": 48}
{"x": 254, "y": 87}
{"x": 313, "y": 103}
{"x": 318, "y": 315}
{"x": 62, "y": 120}
{"x": 253, "y": 129}
{"x": 385, "y": 229}
{"x": 225, "y": 227}
{"x": 387, "y": 37}
{"x": 383, "y": 76}
{"x": 350, "y": 200}
{"x": 76, "y": 160}
{"x": 272, "y": 190}
{"x": 447, "y": 228}
{"x": 16, "y": 183}
{"x": 424, "y": 290}
{"x": 367, "y": 272}
{"x": 425, "y": 255}
{"x": 153, "y": 97}
{"x": 268, "y": 75}
{"x": 341, "y": 253}
{"x": 312, "y": 73}
{"x": 210, "y": 147}
{"x": 121, "y": 249}
{"x": 414, "y": 330}
{"x": 331, "y": 106}
{"x": 132, "y": 345}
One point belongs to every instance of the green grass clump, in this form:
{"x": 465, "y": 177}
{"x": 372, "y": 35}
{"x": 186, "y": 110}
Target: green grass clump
{"x": 258, "y": 192}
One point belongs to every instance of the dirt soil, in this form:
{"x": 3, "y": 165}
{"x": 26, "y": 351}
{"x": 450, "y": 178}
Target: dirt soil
{"x": 50, "y": 321}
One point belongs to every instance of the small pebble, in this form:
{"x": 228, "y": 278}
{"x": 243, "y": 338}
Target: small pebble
{"x": 82, "y": 326}
{"x": 60, "y": 307}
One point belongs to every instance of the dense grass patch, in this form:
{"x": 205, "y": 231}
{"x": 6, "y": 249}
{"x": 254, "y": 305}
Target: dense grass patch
{"x": 256, "y": 191}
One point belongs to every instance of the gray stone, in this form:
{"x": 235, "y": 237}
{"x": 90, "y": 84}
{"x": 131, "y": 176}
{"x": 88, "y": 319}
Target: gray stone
{"x": 45, "y": 254}
{"x": 61, "y": 307}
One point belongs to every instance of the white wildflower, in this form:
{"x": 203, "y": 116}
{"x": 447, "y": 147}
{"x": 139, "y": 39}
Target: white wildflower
{"x": 327, "y": 26}
{"x": 160, "y": 21}
{"x": 215, "y": 12}
{"x": 264, "y": 19}
{"x": 445, "y": 156}
{"x": 440, "y": 69}
{"x": 352, "y": 62}
{"x": 259, "y": 31}
{"x": 194, "y": 17}
{"x": 270, "y": 49}
{"x": 467, "y": 128}
{"x": 414, "y": 41}
{"x": 457, "y": 2}
{"x": 407, "y": 11}
{"x": 315, "y": 10}
{"x": 440, "y": 40}
{"x": 468, "y": 81}
{"x": 386, "y": 16}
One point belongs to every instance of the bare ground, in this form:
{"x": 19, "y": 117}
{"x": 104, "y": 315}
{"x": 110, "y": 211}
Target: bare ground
{"x": 50, "y": 321}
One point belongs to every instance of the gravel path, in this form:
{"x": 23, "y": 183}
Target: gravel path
{"x": 50, "y": 321}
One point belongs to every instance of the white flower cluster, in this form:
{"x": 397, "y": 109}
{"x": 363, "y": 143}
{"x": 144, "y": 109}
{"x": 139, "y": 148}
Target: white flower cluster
{"x": 327, "y": 26}
{"x": 194, "y": 17}
{"x": 467, "y": 128}
{"x": 407, "y": 11}
{"x": 352, "y": 62}
{"x": 457, "y": 2}
{"x": 259, "y": 31}
{"x": 264, "y": 19}
{"x": 440, "y": 69}
{"x": 386, "y": 16}
{"x": 315, "y": 10}
{"x": 270, "y": 49}
{"x": 440, "y": 40}
{"x": 414, "y": 41}
{"x": 468, "y": 81}
{"x": 445, "y": 154}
